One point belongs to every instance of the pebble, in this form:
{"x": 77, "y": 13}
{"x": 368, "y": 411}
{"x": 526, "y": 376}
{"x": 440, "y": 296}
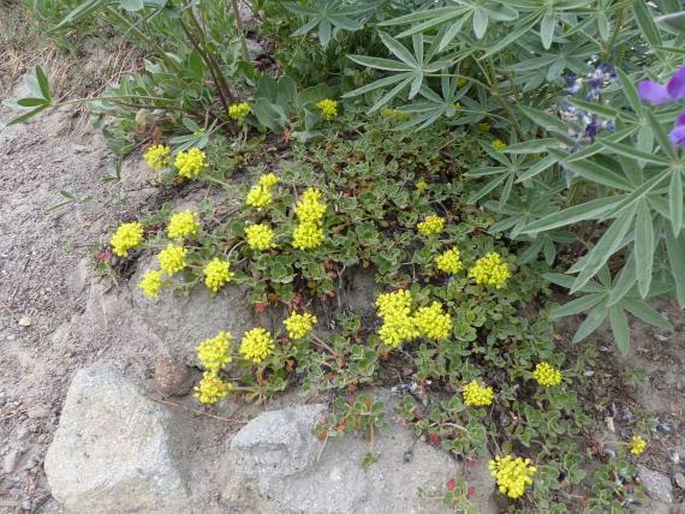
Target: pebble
{"x": 26, "y": 505}
{"x": 25, "y": 321}
{"x": 679, "y": 480}
{"x": 657, "y": 485}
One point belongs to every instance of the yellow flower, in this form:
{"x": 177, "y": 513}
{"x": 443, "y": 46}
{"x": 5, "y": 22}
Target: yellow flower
{"x": 239, "y": 111}
{"x": 310, "y": 208}
{"x": 450, "y": 261}
{"x": 269, "y": 180}
{"x": 490, "y": 270}
{"x": 512, "y": 475}
{"x": 217, "y": 273}
{"x": 190, "y": 162}
{"x": 307, "y": 236}
{"x": 259, "y": 237}
{"x": 433, "y": 323}
{"x": 547, "y": 375}
{"x": 432, "y": 225}
{"x": 211, "y": 388}
{"x": 257, "y": 345}
{"x": 498, "y": 145}
{"x": 421, "y": 186}
{"x": 214, "y": 352}
{"x": 259, "y": 197}
{"x": 299, "y": 325}
{"x": 172, "y": 259}
{"x": 183, "y": 224}
{"x": 398, "y": 325}
{"x": 127, "y": 236}
{"x": 477, "y": 395}
{"x": 637, "y": 445}
{"x": 157, "y": 157}
{"x": 329, "y": 108}
{"x": 151, "y": 283}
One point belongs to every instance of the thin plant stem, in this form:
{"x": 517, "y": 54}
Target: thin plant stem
{"x": 240, "y": 30}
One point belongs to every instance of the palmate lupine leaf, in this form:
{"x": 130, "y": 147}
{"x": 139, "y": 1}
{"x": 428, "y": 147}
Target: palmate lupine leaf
{"x": 410, "y": 67}
{"x": 324, "y": 15}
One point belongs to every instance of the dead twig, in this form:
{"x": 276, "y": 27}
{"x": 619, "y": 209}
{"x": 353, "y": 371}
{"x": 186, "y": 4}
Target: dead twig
{"x": 198, "y": 413}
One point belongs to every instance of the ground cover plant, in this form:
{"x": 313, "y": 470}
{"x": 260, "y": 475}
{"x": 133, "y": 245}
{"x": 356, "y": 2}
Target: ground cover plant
{"x": 476, "y": 156}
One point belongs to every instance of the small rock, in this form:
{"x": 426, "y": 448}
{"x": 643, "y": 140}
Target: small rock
{"x": 112, "y": 451}
{"x": 679, "y": 480}
{"x": 9, "y": 463}
{"x": 171, "y": 377}
{"x": 26, "y": 505}
{"x": 657, "y": 485}
{"x": 279, "y": 441}
{"x": 24, "y": 321}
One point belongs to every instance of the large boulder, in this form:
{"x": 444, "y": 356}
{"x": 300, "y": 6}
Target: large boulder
{"x": 278, "y": 453}
{"x": 112, "y": 451}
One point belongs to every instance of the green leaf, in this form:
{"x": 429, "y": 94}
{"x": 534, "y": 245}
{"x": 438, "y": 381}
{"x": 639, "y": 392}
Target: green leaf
{"x": 79, "y": 12}
{"x": 534, "y": 146}
{"x": 620, "y": 328}
{"x": 675, "y": 246}
{"x": 399, "y": 50}
{"x": 480, "y": 22}
{"x": 30, "y": 102}
{"x": 646, "y": 23}
{"x": 642, "y": 310}
{"x": 26, "y": 116}
{"x": 577, "y": 306}
{"x": 131, "y": 5}
{"x": 595, "y": 172}
{"x": 630, "y": 151}
{"x": 524, "y": 26}
{"x": 628, "y": 87}
{"x": 676, "y": 199}
{"x": 591, "y": 323}
{"x": 43, "y": 83}
{"x": 624, "y": 281}
{"x": 547, "y": 26}
{"x": 544, "y": 119}
{"x": 602, "y": 110}
{"x": 644, "y": 247}
{"x": 567, "y": 282}
{"x": 593, "y": 209}
{"x": 609, "y": 243}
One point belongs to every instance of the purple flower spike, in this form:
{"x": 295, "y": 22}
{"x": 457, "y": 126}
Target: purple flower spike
{"x": 676, "y": 86}
{"x": 653, "y": 92}
{"x": 677, "y": 136}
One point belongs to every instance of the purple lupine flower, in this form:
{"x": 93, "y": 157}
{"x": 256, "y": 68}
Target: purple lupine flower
{"x": 657, "y": 94}
{"x": 677, "y": 135}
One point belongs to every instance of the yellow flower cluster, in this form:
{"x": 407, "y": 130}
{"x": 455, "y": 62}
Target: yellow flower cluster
{"x": 217, "y": 273}
{"x": 172, "y": 259}
{"x": 547, "y": 375}
{"x": 261, "y": 194}
{"x": 450, "y": 261}
{"x": 421, "y": 186}
{"x": 307, "y": 236}
{"x": 477, "y": 395}
{"x": 239, "y": 111}
{"x": 398, "y": 325}
{"x": 310, "y": 211}
{"x": 259, "y": 237}
{"x": 127, "y": 236}
{"x": 190, "y": 162}
{"x": 157, "y": 157}
{"x": 637, "y": 445}
{"x": 395, "y": 115}
{"x": 433, "y": 323}
{"x": 299, "y": 325}
{"x": 151, "y": 283}
{"x": 329, "y": 108}
{"x": 215, "y": 352}
{"x": 183, "y": 224}
{"x": 490, "y": 270}
{"x": 432, "y": 225}
{"x": 269, "y": 180}
{"x": 499, "y": 145}
{"x": 512, "y": 475}
{"x": 257, "y": 345}
{"x": 211, "y": 388}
